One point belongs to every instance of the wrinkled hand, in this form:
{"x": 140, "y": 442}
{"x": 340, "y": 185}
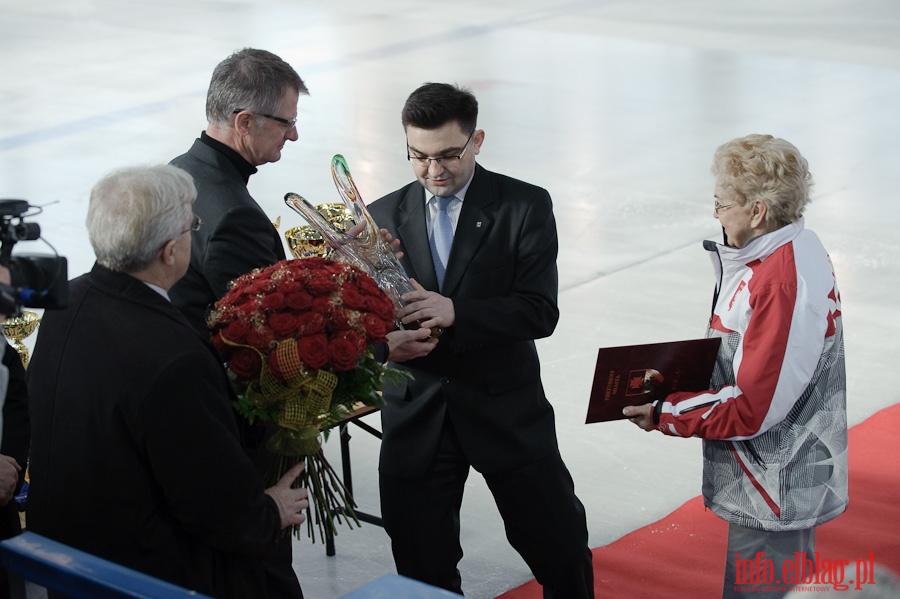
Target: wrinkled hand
{"x": 408, "y": 344}
{"x": 9, "y": 478}
{"x": 642, "y": 416}
{"x": 428, "y": 308}
{"x": 290, "y": 502}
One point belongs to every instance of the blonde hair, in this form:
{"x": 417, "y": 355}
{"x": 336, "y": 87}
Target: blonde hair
{"x": 762, "y": 167}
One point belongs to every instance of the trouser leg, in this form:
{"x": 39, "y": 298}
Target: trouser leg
{"x": 281, "y": 580}
{"x": 545, "y": 522}
{"x": 421, "y": 515}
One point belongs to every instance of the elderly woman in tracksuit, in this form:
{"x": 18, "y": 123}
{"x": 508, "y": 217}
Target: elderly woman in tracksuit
{"x": 774, "y": 420}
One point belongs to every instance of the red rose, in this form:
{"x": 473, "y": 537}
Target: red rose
{"x": 288, "y": 287}
{"x": 343, "y": 353}
{"x": 335, "y": 267}
{"x": 313, "y": 350}
{"x": 351, "y": 297}
{"x": 310, "y": 323}
{"x": 261, "y": 338}
{"x": 224, "y": 350}
{"x": 237, "y": 331}
{"x": 239, "y": 284}
{"x": 321, "y": 284}
{"x": 283, "y": 324}
{"x": 368, "y": 286}
{"x": 273, "y": 301}
{"x": 381, "y": 306}
{"x": 356, "y": 338}
{"x": 299, "y": 273}
{"x": 375, "y": 327}
{"x": 231, "y": 298}
{"x": 245, "y": 364}
{"x": 311, "y": 263}
{"x": 321, "y": 305}
{"x": 256, "y": 287}
{"x": 298, "y": 300}
{"x": 341, "y": 320}
{"x": 249, "y": 307}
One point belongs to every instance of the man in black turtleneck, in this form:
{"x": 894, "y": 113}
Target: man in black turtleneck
{"x": 251, "y": 108}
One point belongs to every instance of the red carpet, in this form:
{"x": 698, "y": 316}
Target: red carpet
{"x": 682, "y": 556}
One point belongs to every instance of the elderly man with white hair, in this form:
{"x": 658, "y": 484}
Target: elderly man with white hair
{"x": 135, "y": 451}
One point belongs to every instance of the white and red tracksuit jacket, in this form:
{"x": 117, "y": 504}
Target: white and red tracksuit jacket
{"x": 774, "y": 423}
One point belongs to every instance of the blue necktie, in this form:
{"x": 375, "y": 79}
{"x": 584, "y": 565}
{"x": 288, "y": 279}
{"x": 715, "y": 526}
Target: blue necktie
{"x": 441, "y": 238}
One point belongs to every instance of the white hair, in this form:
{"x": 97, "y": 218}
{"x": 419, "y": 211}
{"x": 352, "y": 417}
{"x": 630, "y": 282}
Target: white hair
{"x": 134, "y": 211}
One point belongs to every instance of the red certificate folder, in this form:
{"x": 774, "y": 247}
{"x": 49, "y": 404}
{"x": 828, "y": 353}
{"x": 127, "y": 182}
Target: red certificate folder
{"x": 633, "y": 375}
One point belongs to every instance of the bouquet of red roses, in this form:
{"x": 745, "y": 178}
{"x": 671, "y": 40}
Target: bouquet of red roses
{"x": 297, "y": 339}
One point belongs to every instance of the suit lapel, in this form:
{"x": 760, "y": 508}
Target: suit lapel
{"x": 413, "y": 233}
{"x": 474, "y": 223}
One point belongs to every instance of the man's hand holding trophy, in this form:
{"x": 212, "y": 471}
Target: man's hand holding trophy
{"x": 357, "y": 240}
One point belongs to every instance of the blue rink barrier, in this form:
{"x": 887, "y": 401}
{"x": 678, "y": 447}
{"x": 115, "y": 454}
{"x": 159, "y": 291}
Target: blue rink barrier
{"x": 392, "y": 586}
{"x": 79, "y": 575}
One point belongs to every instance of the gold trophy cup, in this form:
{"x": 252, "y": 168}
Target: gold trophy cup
{"x": 307, "y": 241}
{"x": 16, "y": 329}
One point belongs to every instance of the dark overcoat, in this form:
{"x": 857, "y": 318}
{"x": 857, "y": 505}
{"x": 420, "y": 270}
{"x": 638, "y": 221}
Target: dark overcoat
{"x": 135, "y": 454}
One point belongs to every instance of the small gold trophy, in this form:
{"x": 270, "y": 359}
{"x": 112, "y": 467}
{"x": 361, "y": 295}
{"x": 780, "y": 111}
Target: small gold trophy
{"x": 307, "y": 241}
{"x": 16, "y": 329}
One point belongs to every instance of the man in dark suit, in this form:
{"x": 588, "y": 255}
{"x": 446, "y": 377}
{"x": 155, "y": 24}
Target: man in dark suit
{"x": 135, "y": 452}
{"x": 251, "y": 108}
{"x": 482, "y": 249}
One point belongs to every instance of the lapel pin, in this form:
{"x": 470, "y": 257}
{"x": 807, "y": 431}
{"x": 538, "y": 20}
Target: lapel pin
{"x": 478, "y": 224}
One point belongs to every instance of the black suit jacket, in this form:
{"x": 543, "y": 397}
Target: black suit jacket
{"x": 484, "y": 372}
{"x": 135, "y": 455}
{"x": 236, "y": 235}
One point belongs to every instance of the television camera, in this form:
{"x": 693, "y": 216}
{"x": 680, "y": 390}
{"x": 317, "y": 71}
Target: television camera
{"x": 36, "y": 281}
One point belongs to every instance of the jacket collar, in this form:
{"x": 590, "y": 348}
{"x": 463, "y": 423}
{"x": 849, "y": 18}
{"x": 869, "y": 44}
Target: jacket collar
{"x": 224, "y": 158}
{"x": 133, "y": 290}
{"x": 760, "y": 248}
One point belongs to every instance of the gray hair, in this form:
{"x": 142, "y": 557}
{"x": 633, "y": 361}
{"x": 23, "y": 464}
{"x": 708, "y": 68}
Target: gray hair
{"x": 252, "y": 80}
{"x": 134, "y": 211}
{"x": 762, "y": 167}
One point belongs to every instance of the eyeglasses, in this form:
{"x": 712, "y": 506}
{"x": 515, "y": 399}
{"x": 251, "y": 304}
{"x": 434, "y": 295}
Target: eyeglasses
{"x": 196, "y": 223}
{"x": 441, "y": 160}
{"x": 719, "y": 207}
{"x": 290, "y": 123}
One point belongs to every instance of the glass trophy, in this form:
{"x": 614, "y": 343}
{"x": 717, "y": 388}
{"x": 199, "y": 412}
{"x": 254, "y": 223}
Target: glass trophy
{"x": 368, "y": 250}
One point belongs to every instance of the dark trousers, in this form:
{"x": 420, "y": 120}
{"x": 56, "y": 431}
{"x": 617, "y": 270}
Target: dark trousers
{"x": 544, "y": 520}
{"x": 281, "y": 580}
